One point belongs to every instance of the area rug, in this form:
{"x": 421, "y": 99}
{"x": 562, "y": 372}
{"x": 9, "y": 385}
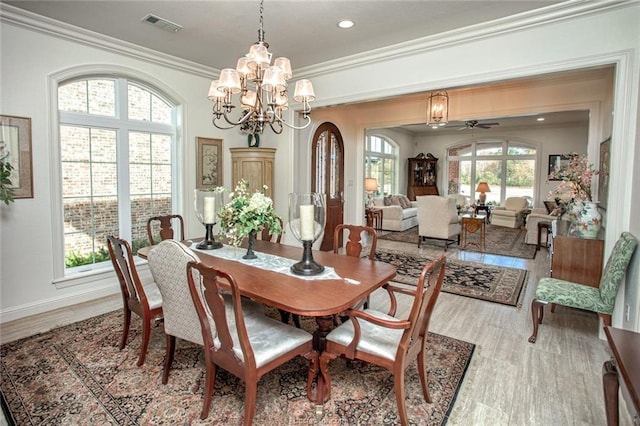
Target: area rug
{"x": 477, "y": 280}
{"x": 498, "y": 240}
{"x": 75, "y": 375}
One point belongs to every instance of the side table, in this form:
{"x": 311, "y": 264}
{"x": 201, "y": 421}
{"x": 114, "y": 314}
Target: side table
{"x": 625, "y": 365}
{"x": 472, "y": 224}
{"x": 374, "y": 218}
{"x": 486, "y": 208}
{"x": 543, "y": 224}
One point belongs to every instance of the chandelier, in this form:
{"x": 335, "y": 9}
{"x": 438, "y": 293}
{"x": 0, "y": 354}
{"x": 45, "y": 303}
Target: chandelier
{"x": 438, "y": 109}
{"x": 262, "y": 90}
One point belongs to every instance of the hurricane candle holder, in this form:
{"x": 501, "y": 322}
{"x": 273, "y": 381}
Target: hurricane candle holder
{"x": 306, "y": 220}
{"x": 206, "y": 204}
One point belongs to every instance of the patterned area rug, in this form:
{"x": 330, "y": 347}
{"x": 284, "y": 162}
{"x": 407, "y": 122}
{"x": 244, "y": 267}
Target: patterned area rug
{"x": 498, "y": 240}
{"x": 477, "y": 280}
{"x": 75, "y": 375}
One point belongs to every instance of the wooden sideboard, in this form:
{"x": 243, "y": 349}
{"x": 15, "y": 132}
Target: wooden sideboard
{"x": 578, "y": 260}
{"x": 255, "y": 165}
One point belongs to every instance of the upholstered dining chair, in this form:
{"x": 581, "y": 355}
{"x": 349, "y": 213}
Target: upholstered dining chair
{"x": 145, "y": 301}
{"x": 168, "y": 263}
{"x": 246, "y": 346}
{"x": 389, "y": 342}
{"x": 164, "y": 225}
{"x": 355, "y": 245}
{"x": 595, "y": 299}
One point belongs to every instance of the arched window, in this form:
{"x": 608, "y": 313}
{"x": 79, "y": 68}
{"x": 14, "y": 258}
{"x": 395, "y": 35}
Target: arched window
{"x": 507, "y": 166}
{"x": 117, "y": 145}
{"x": 381, "y": 162}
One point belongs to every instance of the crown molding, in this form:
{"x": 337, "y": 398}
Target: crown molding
{"x": 51, "y": 27}
{"x": 510, "y": 24}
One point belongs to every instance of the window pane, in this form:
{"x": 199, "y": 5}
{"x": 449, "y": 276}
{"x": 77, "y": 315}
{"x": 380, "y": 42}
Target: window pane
{"x": 520, "y": 150}
{"x": 102, "y": 98}
{"x": 520, "y": 174}
{"x": 161, "y": 152}
{"x": 139, "y": 103}
{"x": 160, "y": 111}
{"x": 490, "y": 148}
{"x": 74, "y": 144}
{"x": 72, "y": 97}
{"x": 139, "y": 147}
{"x": 489, "y": 171}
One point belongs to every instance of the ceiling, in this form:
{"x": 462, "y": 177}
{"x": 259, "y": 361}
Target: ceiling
{"x": 578, "y": 118}
{"x": 215, "y": 33}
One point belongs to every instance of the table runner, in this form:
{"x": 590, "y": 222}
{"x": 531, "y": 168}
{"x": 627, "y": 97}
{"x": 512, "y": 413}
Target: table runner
{"x": 270, "y": 262}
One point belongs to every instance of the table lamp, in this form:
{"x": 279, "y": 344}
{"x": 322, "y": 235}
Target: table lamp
{"x": 482, "y": 188}
{"x": 370, "y": 186}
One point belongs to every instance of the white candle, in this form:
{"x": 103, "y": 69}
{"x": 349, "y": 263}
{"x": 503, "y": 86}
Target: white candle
{"x": 307, "y": 222}
{"x": 209, "y": 210}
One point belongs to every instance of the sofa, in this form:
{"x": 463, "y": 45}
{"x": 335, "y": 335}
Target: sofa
{"x": 537, "y": 216}
{"x": 397, "y": 216}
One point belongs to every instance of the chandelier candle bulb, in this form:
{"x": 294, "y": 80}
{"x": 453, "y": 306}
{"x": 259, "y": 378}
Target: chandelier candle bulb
{"x": 306, "y": 222}
{"x": 209, "y": 210}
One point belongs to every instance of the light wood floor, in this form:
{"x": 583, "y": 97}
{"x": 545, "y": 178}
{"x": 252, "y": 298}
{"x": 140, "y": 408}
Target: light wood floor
{"x": 556, "y": 381}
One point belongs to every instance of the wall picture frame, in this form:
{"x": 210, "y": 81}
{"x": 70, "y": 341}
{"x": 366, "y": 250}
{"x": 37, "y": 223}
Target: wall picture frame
{"x": 209, "y": 156}
{"x": 604, "y": 170}
{"x": 558, "y": 162}
{"x": 15, "y": 148}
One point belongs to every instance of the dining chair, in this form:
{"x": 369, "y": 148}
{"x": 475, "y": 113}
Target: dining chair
{"x": 168, "y": 263}
{"x": 389, "y": 342}
{"x": 267, "y": 236}
{"x": 145, "y": 301}
{"x": 165, "y": 226}
{"x": 245, "y": 346}
{"x": 355, "y": 245}
{"x": 600, "y": 300}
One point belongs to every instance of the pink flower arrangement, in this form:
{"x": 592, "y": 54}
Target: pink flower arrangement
{"x": 576, "y": 179}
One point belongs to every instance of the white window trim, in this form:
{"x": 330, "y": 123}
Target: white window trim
{"x": 63, "y": 277}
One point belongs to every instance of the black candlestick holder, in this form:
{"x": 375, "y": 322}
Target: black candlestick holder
{"x": 307, "y": 266}
{"x": 209, "y": 243}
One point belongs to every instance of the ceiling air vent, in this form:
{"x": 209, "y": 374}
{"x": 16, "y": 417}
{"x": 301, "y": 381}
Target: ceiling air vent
{"x": 165, "y": 24}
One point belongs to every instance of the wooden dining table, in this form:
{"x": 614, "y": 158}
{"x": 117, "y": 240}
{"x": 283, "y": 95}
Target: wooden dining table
{"x": 318, "y": 298}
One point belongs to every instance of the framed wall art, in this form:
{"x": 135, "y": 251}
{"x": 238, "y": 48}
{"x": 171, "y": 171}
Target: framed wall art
{"x": 209, "y": 158}
{"x": 603, "y": 177}
{"x": 558, "y": 162}
{"x": 15, "y": 148}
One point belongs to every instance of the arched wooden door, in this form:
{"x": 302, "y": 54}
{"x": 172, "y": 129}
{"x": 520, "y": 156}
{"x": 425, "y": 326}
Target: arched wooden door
{"x": 327, "y": 177}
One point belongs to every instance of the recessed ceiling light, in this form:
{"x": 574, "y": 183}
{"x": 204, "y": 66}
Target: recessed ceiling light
{"x": 346, "y": 23}
{"x": 540, "y": 119}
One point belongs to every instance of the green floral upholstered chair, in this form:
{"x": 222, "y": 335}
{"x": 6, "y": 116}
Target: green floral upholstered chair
{"x": 595, "y": 299}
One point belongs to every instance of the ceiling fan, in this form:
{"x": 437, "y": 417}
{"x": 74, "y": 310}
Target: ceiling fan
{"x": 475, "y": 124}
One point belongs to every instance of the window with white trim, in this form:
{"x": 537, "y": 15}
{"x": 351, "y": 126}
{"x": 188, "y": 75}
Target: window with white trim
{"x": 381, "y": 162}
{"x": 507, "y": 166}
{"x": 117, "y": 145}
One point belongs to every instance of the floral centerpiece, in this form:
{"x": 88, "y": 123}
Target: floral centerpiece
{"x": 576, "y": 179}
{"x": 247, "y": 213}
{"x": 573, "y": 194}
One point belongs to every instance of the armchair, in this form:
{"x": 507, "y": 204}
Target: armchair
{"x": 437, "y": 219}
{"x": 509, "y": 215}
{"x": 595, "y": 299}
{"x": 388, "y": 341}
